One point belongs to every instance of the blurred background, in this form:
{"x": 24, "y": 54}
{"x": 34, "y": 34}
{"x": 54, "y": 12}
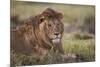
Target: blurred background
{"x": 79, "y": 24}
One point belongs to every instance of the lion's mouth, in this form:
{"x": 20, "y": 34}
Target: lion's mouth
{"x": 56, "y": 40}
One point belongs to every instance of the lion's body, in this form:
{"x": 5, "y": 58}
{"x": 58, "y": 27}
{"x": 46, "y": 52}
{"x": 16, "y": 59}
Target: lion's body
{"x": 36, "y": 35}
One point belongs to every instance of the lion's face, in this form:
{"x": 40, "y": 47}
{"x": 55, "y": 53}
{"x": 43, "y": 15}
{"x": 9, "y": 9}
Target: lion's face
{"x": 53, "y": 27}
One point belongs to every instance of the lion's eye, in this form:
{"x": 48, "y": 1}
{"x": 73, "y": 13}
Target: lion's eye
{"x": 57, "y": 24}
{"x": 49, "y": 25}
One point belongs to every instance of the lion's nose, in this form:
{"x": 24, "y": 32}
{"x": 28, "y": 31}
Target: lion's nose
{"x": 56, "y": 33}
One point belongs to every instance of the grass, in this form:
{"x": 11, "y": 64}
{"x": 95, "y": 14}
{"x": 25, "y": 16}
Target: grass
{"x": 85, "y": 47}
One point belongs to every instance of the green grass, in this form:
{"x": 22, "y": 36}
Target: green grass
{"x": 84, "y": 47}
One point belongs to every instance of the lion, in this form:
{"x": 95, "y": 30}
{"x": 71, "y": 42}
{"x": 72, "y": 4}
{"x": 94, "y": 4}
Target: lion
{"x": 39, "y": 34}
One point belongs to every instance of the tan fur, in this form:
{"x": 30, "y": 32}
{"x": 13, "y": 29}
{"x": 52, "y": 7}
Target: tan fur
{"x": 33, "y": 36}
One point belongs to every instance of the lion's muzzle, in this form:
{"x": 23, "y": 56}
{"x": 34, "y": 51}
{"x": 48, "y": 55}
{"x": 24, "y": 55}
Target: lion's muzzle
{"x": 56, "y": 38}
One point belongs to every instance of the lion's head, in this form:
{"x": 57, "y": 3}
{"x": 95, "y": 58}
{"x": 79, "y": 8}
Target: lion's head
{"x": 51, "y": 24}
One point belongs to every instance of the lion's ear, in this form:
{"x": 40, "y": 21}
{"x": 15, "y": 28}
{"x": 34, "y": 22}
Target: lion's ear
{"x": 60, "y": 15}
{"x": 41, "y": 19}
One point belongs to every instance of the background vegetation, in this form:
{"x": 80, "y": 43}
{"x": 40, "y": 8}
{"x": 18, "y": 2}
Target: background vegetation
{"x": 79, "y": 34}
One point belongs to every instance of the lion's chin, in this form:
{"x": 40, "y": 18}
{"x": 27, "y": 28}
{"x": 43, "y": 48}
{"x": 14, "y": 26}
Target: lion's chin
{"x": 56, "y": 41}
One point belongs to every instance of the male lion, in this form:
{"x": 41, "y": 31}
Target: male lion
{"x": 39, "y": 34}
